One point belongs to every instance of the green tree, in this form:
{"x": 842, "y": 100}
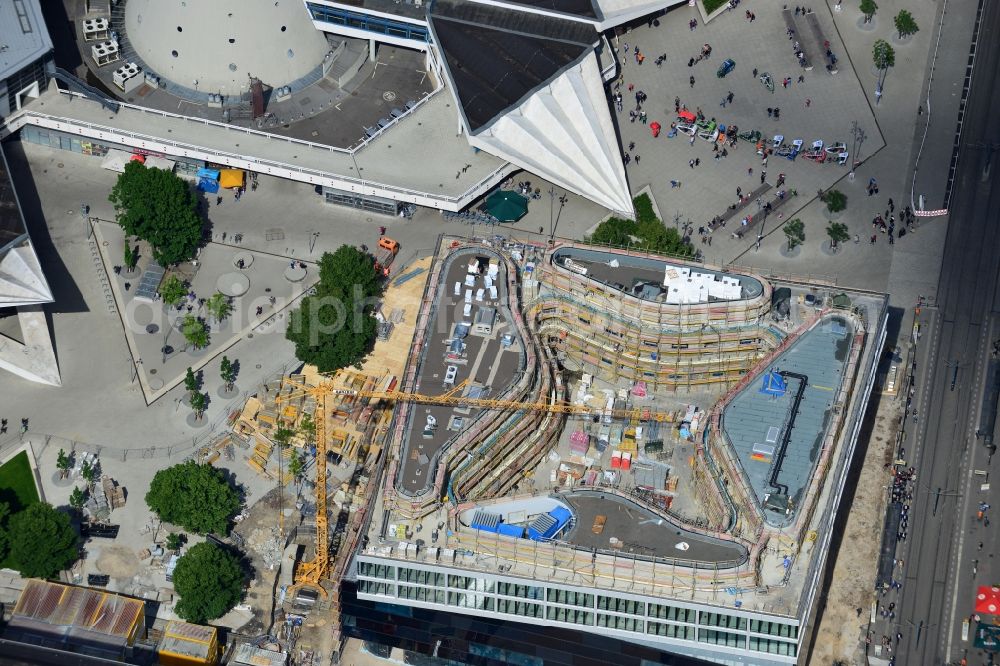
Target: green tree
{"x": 199, "y": 403}
{"x": 191, "y": 383}
{"x": 335, "y": 327}
{"x": 218, "y": 306}
{"x": 307, "y": 427}
{"x": 209, "y": 581}
{"x": 296, "y": 465}
{"x": 195, "y": 497}
{"x": 175, "y": 540}
{"x": 160, "y": 208}
{"x": 646, "y": 232}
{"x": 173, "y": 290}
{"x": 868, "y": 8}
{"x": 63, "y": 463}
{"x": 884, "y": 57}
{"x": 195, "y": 331}
{"x": 835, "y": 200}
{"x": 283, "y": 436}
{"x": 228, "y": 371}
{"x": 837, "y": 231}
{"x": 905, "y": 25}
{"x": 42, "y": 541}
{"x": 795, "y": 233}
{"x": 77, "y": 498}
{"x": 89, "y": 472}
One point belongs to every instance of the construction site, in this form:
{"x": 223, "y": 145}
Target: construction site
{"x": 565, "y": 436}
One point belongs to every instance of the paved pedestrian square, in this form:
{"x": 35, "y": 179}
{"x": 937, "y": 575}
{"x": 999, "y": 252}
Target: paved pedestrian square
{"x": 822, "y": 106}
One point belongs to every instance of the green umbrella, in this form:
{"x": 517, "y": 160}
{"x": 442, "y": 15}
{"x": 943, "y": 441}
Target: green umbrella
{"x": 507, "y": 205}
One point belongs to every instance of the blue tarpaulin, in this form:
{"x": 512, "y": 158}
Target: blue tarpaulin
{"x": 773, "y": 384}
{"x": 208, "y": 180}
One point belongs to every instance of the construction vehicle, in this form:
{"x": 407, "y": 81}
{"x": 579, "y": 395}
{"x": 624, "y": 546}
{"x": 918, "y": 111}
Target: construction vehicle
{"x": 385, "y": 253}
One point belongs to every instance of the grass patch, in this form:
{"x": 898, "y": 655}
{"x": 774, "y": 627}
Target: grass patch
{"x": 711, "y": 5}
{"x": 647, "y": 232}
{"x": 17, "y": 488}
{"x": 17, "y": 483}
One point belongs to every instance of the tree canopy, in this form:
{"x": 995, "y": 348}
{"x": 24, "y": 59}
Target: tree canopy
{"x": 335, "y": 327}
{"x": 838, "y": 233}
{"x": 905, "y": 25}
{"x": 883, "y": 55}
{"x": 160, "y": 208}
{"x": 195, "y": 497}
{"x": 795, "y": 233}
{"x": 42, "y": 541}
{"x": 195, "y": 331}
{"x": 868, "y": 8}
{"x": 209, "y": 581}
{"x": 646, "y": 232}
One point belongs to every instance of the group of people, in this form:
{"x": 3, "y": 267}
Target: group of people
{"x": 3, "y": 426}
{"x": 886, "y": 224}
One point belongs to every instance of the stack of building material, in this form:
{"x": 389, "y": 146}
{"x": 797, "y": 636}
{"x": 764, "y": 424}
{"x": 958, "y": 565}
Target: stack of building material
{"x": 579, "y": 442}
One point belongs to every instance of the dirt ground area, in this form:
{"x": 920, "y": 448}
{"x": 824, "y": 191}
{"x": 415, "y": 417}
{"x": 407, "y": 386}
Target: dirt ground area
{"x": 390, "y": 355}
{"x": 117, "y": 562}
{"x": 257, "y": 530}
{"x": 841, "y": 630}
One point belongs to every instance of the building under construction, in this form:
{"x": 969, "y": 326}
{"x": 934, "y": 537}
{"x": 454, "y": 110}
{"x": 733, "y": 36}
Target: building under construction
{"x": 614, "y": 443}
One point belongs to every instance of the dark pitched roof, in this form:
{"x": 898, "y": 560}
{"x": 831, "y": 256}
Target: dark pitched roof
{"x": 584, "y": 8}
{"x": 498, "y": 56}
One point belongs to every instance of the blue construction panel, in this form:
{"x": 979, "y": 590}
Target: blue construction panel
{"x": 507, "y": 529}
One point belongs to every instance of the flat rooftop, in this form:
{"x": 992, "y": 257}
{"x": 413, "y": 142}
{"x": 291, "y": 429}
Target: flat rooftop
{"x": 485, "y": 364}
{"x": 756, "y": 422}
{"x": 631, "y": 269}
{"x": 641, "y": 531}
{"x": 396, "y": 159}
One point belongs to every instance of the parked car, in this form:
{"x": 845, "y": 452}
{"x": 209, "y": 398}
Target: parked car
{"x": 727, "y": 66}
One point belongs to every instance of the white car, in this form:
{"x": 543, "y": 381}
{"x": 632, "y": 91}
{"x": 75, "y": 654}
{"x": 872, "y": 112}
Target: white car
{"x": 712, "y": 136}
{"x": 686, "y": 128}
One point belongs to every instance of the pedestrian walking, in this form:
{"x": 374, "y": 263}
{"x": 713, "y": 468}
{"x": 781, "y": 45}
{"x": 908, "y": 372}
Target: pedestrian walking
{"x": 763, "y": 175}
{"x": 802, "y": 78}
{"x": 637, "y": 158}
{"x": 770, "y": 112}
{"x": 750, "y": 171}
{"x": 729, "y": 97}
{"x": 691, "y": 81}
{"x": 755, "y": 72}
{"x": 892, "y": 206}
{"x": 691, "y": 163}
{"x": 808, "y": 102}
{"x": 697, "y": 161}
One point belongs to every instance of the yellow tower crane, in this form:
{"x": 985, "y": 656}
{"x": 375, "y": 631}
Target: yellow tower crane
{"x": 312, "y": 573}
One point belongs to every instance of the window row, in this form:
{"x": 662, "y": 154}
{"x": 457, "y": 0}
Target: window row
{"x": 570, "y": 597}
{"x": 372, "y": 570}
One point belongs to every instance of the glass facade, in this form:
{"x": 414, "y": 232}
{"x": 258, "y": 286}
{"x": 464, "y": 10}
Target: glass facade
{"x": 375, "y": 24}
{"x": 565, "y": 606}
{"x": 481, "y": 639}
{"x": 85, "y": 146}
{"x": 376, "y": 205}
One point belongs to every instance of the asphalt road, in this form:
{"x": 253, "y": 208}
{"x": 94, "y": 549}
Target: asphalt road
{"x": 952, "y": 359}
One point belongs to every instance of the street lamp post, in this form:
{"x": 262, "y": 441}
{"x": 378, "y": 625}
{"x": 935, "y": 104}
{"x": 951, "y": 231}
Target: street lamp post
{"x": 858, "y": 137}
